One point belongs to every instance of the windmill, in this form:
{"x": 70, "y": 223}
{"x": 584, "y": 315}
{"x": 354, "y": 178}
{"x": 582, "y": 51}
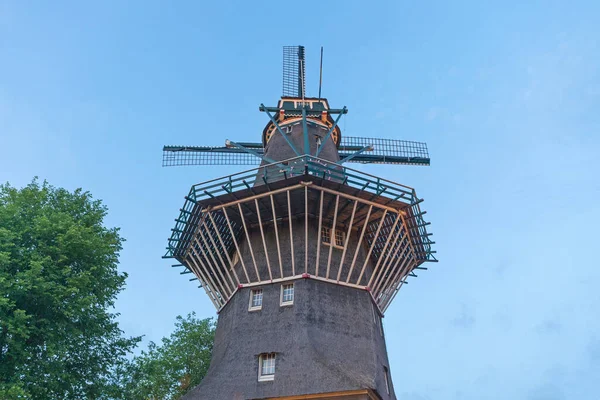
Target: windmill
{"x": 350, "y": 149}
{"x": 301, "y": 255}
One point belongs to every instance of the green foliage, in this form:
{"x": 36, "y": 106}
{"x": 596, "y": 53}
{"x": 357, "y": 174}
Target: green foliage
{"x": 58, "y": 281}
{"x": 169, "y": 370}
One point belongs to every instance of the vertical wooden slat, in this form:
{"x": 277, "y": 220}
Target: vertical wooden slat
{"x": 249, "y": 242}
{"x": 397, "y": 276}
{"x": 225, "y": 289}
{"x": 277, "y": 236}
{"x": 362, "y": 271}
{"x": 306, "y": 229}
{"x": 410, "y": 237}
{"x": 216, "y": 250}
{"x": 207, "y": 287}
{"x": 332, "y": 239}
{"x": 319, "y": 238}
{"x": 390, "y": 259}
{"x": 362, "y": 234}
{"x": 382, "y": 254}
{"x": 237, "y": 247}
{"x": 264, "y": 242}
{"x": 212, "y": 221}
{"x": 398, "y": 256}
{"x": 289, "y": 203}
{"x": 214, "y": 282}
{"x": 347, "y": 241}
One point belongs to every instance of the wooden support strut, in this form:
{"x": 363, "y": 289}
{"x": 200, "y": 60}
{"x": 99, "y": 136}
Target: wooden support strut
{"x": 396, "y": 281}
{"x": 306, "y": 229}
{"x": 237, "y": 247}
{"x": 362, "y": 234}
{"x": 371, "y": 248}
{"x": 347, "y": 241}
{"x": 262, "y": 235}
{"x": 319, "y": 235}
{"x": 293, "y": 255}
{"x": 224, "y": 249}
{"x": 398, "y": 246}
{"x": 249, "y": 243}
{"x": 198, "y": 272}
{"x": 332, "y": 234}
{"x": 195, "y": 256}
{"x": 403, "y": 248}
{"x": 258, "y": 196}
{"x": 277, "y": 236}
{"x": 381, "y": 256}
{"x": 224, "y": 289}
{"x": 200, "y": 219}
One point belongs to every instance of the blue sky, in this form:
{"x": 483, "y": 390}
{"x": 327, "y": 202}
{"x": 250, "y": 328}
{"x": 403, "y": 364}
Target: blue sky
{"x": 505, "y": 95}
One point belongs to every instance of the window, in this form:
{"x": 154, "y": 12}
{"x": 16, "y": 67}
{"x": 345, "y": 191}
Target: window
{"x": 256, "y": 297}
{"x": 387, "y": 380}
{"x": 266, "y": 367}
{"x": 287, "y": 294}
{"x": 340, "y": 235}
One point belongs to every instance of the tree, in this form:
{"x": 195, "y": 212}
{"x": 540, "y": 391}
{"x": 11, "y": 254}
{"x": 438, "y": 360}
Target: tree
{"x": 171, "y": 369}
{"x": 58, "y": 283}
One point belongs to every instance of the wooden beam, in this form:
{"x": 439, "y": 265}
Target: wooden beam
{"x": 277, "y": 236}
{"x": 237, "y": 247}
{"x": 293, "y": 255}
{"x": 262, "y": 235}
{"x": 319, "y": 234}
{"x": 348, "y": 233}
{"x": 249, "y": 242}
{"x": 362, "y": 234}
{"x": 257, "y": 196}
{"x": 306, "y": 229}
{"x": 332, "y": 232}
{"x": 395, "y": 282}
{"x": 398, "y": 246}
{"x": 198, "y": 272}
{"x": 350, "y": 197}
{"x": 224, "y": 289}
{"x": 217, "y": 250}
{"x": 382, "y": 254}
{"x": 378, "y": 287}
{"x": 214, "y": 287}
{"x": 372, "y": 246}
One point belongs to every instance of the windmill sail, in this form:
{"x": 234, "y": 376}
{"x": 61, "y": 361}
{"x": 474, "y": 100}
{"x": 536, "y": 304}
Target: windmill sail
{"x": 385, "y": 151}
{"x": 294, "y": 78}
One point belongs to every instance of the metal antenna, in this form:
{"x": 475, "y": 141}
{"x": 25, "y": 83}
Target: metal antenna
{"x": 302, "y": 80}
{"x": 321, "y": 73}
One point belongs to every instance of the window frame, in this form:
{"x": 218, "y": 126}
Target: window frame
{"x": 333, "y": 240}
{"x": 266, "y": 377}
{"x": 251, "y": 307}
{"x": 283, "y": 303}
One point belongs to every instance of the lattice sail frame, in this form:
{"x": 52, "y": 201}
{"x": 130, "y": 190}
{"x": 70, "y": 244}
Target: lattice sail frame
{"x": 217, "y": 214}
{"x": 386, "y": 151}
{"x": 294, "y": 70}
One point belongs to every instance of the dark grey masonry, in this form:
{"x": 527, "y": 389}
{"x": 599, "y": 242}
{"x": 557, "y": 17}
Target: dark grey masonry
{"x": 328, "y": 340}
